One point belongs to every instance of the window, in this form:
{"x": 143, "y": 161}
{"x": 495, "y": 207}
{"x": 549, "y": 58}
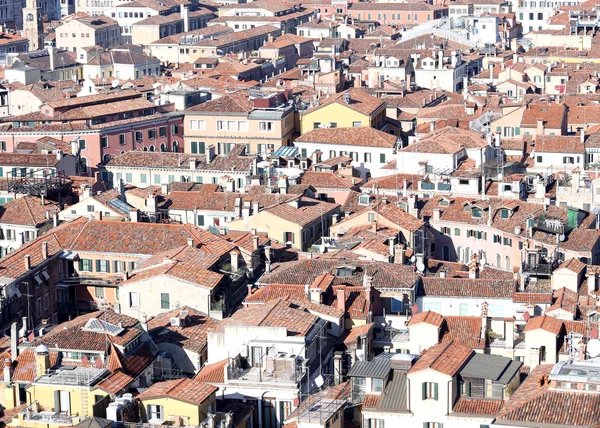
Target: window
{"x": 119, "y": 266}
{"x": 432, "y": 425}
{"x": 122, "y": 139}
{"x": 128, "y": 177}
{"x": 376, "y": 385}
{"x": 356, "y": 124}
{"x": 456, "y": 231}
{"x": 165, "y": 301}
{"x": 85, "y": 265}
{"x": 81, "y": 144}
{"x": 155, "y": 413}
{"x": 197, "y": 125}
{"x": 174, "y": 129}
{"x": 198, "y": 147}
{"x": 376, "y": 423}
{"x": 104, "y": 141}
{"x": 265, "y": 126}
{"x": 134, "y": 299}
{"x": 200, "y": 220}
{"x": 162, "y": 131}
{"x": 143, "y": 178}
{"x": 494, "y": 390}
{"x": 382, "y": 158}
{"x": 429, "y": 390}
{"x": 288, "y": 237}
{"x": 152, "y": 134}
{"x": 371, "y": 217}
{"x": 367, "y": 157}
{"x": 99, "y": 292}
{"x": 156, "y": 178}
{"x": 363, "y": 200}
{"x": 102, "y": 266}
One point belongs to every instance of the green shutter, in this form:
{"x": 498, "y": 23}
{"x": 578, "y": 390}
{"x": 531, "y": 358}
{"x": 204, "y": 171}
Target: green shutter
{"x": 293, "y": 238}
{"x": 435, "y": 391}
{"x": 97, "y": 265}
{"x": 498, "y": 128}
{"x": 108, "y": 267}
{"x": 424, "y": 391}
{"x": 80, "y": 264}
{"x": 201, "y": 147}
{"x": 194, "y": 147}
{"x": 468, "y": 389}
{"x": 517, "y": 131}
{"x": 200, "y": 220}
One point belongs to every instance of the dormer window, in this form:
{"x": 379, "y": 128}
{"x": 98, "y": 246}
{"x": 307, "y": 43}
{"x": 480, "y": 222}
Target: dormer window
{"x": 444, "y": 203}
{"x": 363, "y": 200}
{"x": 344, "y": 272}
{"x": 476, "y": 212}
{"x": 505, "y": 213}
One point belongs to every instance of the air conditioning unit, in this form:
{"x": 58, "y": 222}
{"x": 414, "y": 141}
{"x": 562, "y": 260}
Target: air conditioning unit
{"x": 175, "y": 322}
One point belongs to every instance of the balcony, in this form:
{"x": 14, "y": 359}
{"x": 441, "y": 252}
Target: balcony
{"x": 537, "y": 268}
{"x": 239, "y": 371}
{"x": 100, "y": 281}
{"x": 35, "y": 413}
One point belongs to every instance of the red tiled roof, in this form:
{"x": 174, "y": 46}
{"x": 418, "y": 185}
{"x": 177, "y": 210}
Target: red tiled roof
{"x": 189, "y": 390}
{"x": 447, "y": 358}
{"x": 428, "y": 317}
{"x": 371, "y": 401}
{"x": 363, "y": 136}
{"x": 477, "y": 406}
{"x": 213, "y": 373}
{"x": 544, "y": 322}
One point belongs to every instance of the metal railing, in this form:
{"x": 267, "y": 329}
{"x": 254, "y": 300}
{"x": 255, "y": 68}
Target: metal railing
{"x": 536, "y": 268}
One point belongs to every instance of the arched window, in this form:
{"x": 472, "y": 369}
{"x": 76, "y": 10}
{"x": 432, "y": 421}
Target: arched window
{"x": 498, "y": 261}
{"x": 106, "y": 158}
{"x": 163, "y": 147}
{"x": 145, "y": 149}
{"x": 30, "y": 17}
{"x": 467, "y": 255}
{"x": 152, "y": 148}
{"x": 175, "y": 146}
{"x": 446, "y": 253}
{"x": 508, "y": 265}
{"x": 459, "y": 254}
{"x": 83, "y": 165}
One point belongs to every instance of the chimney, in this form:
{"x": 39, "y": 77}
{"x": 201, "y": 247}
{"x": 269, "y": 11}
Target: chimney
{"x": 255, "y": 242}
{"x": 42, "y": 360}
{"x": 440, "y": 59}
{"x": 283, "y": 183}
{"x": 185, "y": 15}
{"x": 334, "y": 219}
{"x": 374, "y": 227}
{"x": 582, "y": 348}
{"x": 582, "y": 135}
{"x": 52, "y": 54}
{"x": 151, "y": 203}
{"x": 591, "y": 281}
{"x": 255, "y": 208}
{"x": 192, "y": 161}
{"x": 443, "y": 273}
{"x": 484, "y": 328}
{"x": 133, "y": 216}
{"x": 164, "y": 189}
{"x": 55, "y": 219}
{"x": 190, "y": 242}
{"x": 436, "y": 214}
{"x": 7, "y": 370}
{"x": 98, "y": 215}
{"x": 432, "y": 126}
{"x": 210, "y": 153}
{"x": 509, "y": 333}
{"x": 391, "y": 242}
{"x": 341, "y": 299}
{"x": 44, "y": 250}
{"x": 246, "y": 209}
{"x": 235, "y": 261}
{"x": 14, "y": 341}
{"x": 27, "y": 262}
{"x": 540, "y": 127}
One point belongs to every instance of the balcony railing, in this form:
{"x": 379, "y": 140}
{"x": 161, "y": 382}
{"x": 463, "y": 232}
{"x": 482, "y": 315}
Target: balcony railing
{"x": 75, "y": 279}
{"x": 258, "y": 374}
{"x": 537, "y": 269}
{"x": 35, "y": 413}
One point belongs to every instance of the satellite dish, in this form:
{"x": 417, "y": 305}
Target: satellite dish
{"x": 177, "y": 304}
{"x": 561, "y": 238}
{"x": 483, "y": 261}
{"x": 593, "y": 348}
{"x": 115, "y": 83}
{"x": 319, "y": 381}
{"x": 596, "y": 211}
{"x": 413, "y": 259}
{"x": 420, "y": 266}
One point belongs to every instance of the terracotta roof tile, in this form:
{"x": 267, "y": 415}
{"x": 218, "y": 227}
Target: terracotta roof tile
{"x": 478, "y": 406}
{"x": 447, "y": 358}
{"x": 213, "y": 373}
{"x": 189, "y": 390}
{"x": 544, "y": 322}
{"x": 363, "y": 136}
{"x": 428, "y": 317}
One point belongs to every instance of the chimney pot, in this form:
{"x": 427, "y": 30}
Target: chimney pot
{"x": 44, "y": 250}
{"x": 27, "y": 262}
